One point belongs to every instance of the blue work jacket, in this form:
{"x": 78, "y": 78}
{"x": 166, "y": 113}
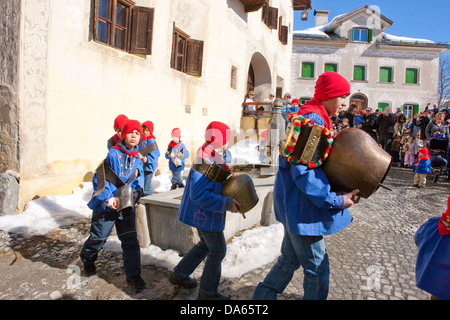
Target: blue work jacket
{"x": 303, "y": 200}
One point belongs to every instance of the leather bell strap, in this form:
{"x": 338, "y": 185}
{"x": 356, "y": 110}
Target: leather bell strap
{"x": 212, "y": 171}
{"x": 105, "y": 172}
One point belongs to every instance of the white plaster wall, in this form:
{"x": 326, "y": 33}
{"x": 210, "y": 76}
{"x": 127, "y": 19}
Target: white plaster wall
{"x": 89, "y": 84}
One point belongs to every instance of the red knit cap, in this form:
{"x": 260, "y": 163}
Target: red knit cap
{"x": 331, "y": 85}
{"x": 119, "y": 121}
{"x": 129, "y": 126}
{"x": 176, "y": 133}
{"x": 444, "y": 222}
{"x": 217, "y": 134}
{"x": 149, "y": 125}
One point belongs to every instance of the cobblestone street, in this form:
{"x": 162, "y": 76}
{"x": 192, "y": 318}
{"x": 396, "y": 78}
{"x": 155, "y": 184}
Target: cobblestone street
{"x": 374, "y": 258}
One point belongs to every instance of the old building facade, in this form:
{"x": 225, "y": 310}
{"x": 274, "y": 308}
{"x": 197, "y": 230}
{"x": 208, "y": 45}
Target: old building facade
{"x": 71, "y": 66}
{"x": 383, "y": 69}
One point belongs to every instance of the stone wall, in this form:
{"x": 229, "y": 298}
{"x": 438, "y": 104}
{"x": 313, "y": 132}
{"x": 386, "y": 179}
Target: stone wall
{"x": 10, "y": 13}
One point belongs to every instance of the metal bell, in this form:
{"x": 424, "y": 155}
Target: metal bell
{"x": 126, "y": 198}
{"x": 356, "y": 161}
{"x": 241, "y": 188}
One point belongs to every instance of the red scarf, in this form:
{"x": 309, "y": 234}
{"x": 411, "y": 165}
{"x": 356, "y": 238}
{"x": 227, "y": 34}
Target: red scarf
{"x": 133, "y": 154}
{"x": 424, "y": 151}
{"x": 208, "y": 152}
{"x": 173, "y": 144}
{"x": 315, "y": 106}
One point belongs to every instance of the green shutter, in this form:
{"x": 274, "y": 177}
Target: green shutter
{"x": 359, "y": 73}
{"x": 308, "y": 70}
{"x": 411, "y": 75}
{"x": 415, "y": 109}
{"x": 353, "y": 34}
{"x": 370, "y": 35}
{"x": 382, "y": 105}
{"x": 385, "y": 74}
{"x": 330, "y": 67}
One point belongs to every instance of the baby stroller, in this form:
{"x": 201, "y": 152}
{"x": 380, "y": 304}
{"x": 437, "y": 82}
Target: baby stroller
{"x": 439, "y": 156}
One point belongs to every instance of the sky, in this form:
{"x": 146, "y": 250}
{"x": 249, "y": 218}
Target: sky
{"x": 425, "y": 19}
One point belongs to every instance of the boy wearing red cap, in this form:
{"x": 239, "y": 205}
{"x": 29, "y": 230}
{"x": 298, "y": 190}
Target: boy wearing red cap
{"x": 433, "y": 257}
{"x": 422, "y": 167}
{"x": 204, "y": 208}
{"x": 176, "y": 153}
{"x": 306, "y": 206}
{"x": 123, "y": 160}
{"x": 118, "y": 124}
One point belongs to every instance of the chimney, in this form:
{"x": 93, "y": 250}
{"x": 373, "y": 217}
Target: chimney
{"x": 321, "y": 17}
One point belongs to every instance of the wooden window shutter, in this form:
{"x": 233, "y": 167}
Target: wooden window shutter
{"x": 370, "y": 35}
{"x": 284, "y": 34}
{"x": 270, "y": 17}
{"x": 142, "y": 30}
{"x": 273, "y": 18}
{"x": 194, "y": 57}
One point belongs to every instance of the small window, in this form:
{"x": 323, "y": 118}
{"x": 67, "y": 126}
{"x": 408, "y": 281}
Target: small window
{"x": 187, "y": 53}
{"x": 386, "y": 74}
{"x": 122, "y": 25}
{"x": 362, "y": 35}
{"x": 411, "y": 75}
{"x": 359, "y": 73}
{"x": 330, "y": 67}
{"x": 307, "y": 70}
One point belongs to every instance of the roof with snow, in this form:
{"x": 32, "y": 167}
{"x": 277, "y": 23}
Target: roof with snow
{"x": 327, "y": 32}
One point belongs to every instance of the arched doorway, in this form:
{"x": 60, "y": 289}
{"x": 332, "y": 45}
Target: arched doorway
{"x": 259, "y": 77}
{"x": 360, "y": 100}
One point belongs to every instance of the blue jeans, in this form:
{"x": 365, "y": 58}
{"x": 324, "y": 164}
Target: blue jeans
{"x": 148, "y": 176}
{"x": 211, "y": 246}
{"x": 176, "y": 177}
{"x": 296, "y": 250}
{"x": 101, "y": 226}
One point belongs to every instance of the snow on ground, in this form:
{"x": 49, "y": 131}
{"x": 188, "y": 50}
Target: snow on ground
{"x": 259, "y": 245}
{"x": 245, "y": 152}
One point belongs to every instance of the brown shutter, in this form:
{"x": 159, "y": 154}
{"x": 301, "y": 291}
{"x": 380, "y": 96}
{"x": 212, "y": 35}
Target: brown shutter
{"x": 273, "y": 18}
{"x": 141, "y": 30}
{"x": 270, "y": 17}
{"x": 284, "y": 34}
{"x": 194, "y": 57}
{"x": 265, "y": 15}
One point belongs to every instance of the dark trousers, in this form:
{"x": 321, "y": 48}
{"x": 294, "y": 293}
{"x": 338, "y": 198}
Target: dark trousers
{"x": 101, "y": 227}
{"x": 211, "y": 246}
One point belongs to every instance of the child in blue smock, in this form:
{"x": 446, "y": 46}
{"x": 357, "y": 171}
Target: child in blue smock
{"x": 204, "y": 208}
{"x": 433, "y": 257}
{"x": 306, "y": 206}
{"x": 176, "y": 153}
{"x": 124, "y": 160}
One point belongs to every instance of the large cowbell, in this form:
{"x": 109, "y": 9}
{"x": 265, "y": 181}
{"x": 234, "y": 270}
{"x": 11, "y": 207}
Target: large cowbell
{"x": 241, "y": 188}
{"x": 356, "y": 161}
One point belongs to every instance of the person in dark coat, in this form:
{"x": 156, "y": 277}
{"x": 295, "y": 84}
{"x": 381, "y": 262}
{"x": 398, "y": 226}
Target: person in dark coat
{"x": 369, "y": 120}
{"x": 385, "y": 124}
